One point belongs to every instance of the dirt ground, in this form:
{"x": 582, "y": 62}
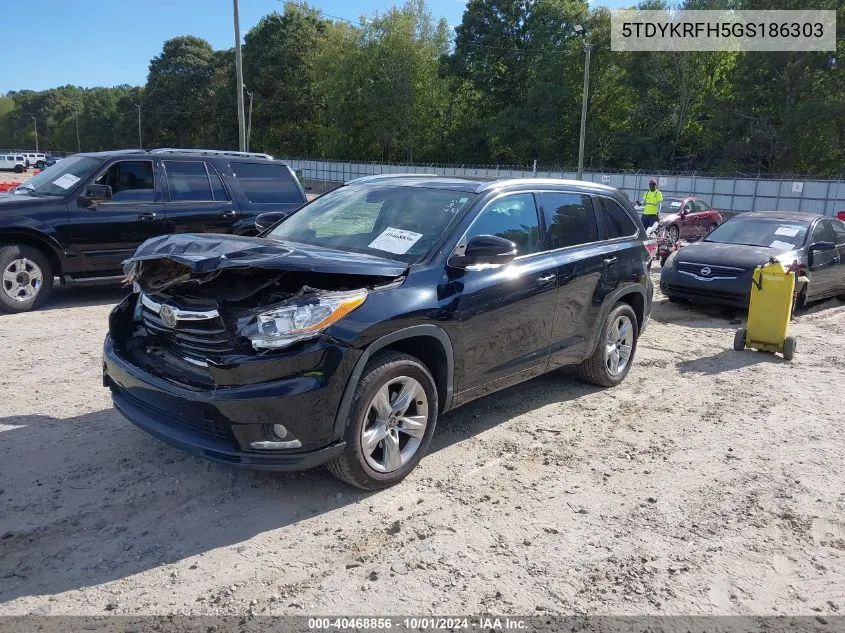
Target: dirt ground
{"x": 10, "y": 176}
{"x": 710, "y": 482}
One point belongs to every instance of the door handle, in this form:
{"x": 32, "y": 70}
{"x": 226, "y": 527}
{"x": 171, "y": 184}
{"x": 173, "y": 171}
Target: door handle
{"x": 147, "y": 215}
{"x": 228, "y": 214}
{"x": 609, "y": 261}
{"x": 546, "y": 278}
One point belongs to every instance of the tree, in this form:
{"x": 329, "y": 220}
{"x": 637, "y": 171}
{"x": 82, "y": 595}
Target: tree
{"x": 177, "y": 97}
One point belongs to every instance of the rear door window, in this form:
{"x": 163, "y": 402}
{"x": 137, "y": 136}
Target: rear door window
{"x": 569, "y": 219}
{"x": 616, "y": 220}
{"x": 266, "y": 183}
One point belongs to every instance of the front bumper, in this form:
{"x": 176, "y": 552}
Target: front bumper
{"x": 219, "y": 423}
{"x": 729, "y": 292}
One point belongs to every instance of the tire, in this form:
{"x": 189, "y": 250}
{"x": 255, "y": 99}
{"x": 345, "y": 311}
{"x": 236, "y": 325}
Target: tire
{"x": 40, "y": 164}
{"x": 597, "y": 368}
{"x": 355, "y": 465}
{"x": 19, "y": 169}
{"x": 28, "y": 263}
{"x": 675, "y": 299}
{"x": 663, "y": 259}
{"x": 674, "y": 233}
{"x": 790, "y": 346}
{"x": 739, "y": 339}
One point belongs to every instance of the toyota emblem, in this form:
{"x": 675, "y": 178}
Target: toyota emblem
{"x": 168, "y": 317}
{"x": 704, "y": 271}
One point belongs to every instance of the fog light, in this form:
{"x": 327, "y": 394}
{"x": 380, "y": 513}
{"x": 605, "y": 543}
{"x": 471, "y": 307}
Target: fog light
{"x": 284, "y": 440}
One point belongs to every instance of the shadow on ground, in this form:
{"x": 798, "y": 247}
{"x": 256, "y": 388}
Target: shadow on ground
{"x": 83, "y": 296}
{"x": 91, "y": 499}
{"x": 727, "y": 360}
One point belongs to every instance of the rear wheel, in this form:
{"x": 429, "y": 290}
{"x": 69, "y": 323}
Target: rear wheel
{"x": 611, "y": 361}
{"x": 40, "y": 164}
{"x": 19, "y": 169}
{"x": 790, "y": 346}
{"x": 27, "y": 278}
{"x": 392, "y": 419}
{"x": 739, "y": 339}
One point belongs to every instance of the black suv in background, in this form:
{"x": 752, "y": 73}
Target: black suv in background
{"x": 341, "y": 333}
{"x": 79, "y": 219}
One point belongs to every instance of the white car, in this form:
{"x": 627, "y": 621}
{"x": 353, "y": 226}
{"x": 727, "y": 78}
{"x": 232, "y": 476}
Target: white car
{"x": 13, "y": 162}
{"x": 35, "y": 159}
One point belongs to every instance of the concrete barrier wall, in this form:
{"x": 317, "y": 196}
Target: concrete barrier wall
{"x": 730, "y": 194}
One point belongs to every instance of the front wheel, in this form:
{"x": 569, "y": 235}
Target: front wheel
{"x": 392, "y": 419}
{"x": 27, "y": 278}
{"x": 40, "y": 164}
{"x": 611, "y": 361}
{"x": 674, "y": 233}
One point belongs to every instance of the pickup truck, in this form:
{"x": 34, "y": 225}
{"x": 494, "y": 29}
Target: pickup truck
{"x": 79, "y": 219}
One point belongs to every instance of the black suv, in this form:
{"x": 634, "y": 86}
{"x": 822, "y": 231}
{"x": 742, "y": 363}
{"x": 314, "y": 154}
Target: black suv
{"x": 341, "y": 333}
{"x": 79, "y": 219}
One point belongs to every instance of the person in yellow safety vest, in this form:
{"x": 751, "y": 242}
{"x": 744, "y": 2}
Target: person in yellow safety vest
{"x": 652, "y": 199}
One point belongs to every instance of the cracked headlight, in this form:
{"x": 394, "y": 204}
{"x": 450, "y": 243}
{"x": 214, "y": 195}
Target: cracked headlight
{"x": 299, "y": 320}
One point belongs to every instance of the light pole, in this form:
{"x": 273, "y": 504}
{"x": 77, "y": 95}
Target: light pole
{"x": 78, "y": 145}
{"x": 249, "y": 120}
{"x": 587, "y": 49}
{"x": 239, "y": 71}
{"x": 35, "y": 123}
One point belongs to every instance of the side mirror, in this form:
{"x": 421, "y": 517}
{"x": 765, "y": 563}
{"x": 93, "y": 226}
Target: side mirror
{"x": 94, "y": 194}
{"x": 264, "y": 221}
{"x": 822, "y": 246}
{"x": 486, "y": 249}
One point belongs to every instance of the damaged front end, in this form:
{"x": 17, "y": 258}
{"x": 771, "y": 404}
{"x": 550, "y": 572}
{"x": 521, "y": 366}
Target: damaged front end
{"x": 231, "y": 337}
{"x": 213, "y": 299}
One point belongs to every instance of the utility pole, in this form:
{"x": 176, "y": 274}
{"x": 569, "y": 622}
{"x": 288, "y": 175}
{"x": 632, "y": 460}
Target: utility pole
{"x": 249, "y": 120}
{"x": 587, "y": 48}
{"x": 78, "y": 145}
{"x": 239, "y": 71}
{"x": 140, "y": 144}
{"x": 35, "y": 123}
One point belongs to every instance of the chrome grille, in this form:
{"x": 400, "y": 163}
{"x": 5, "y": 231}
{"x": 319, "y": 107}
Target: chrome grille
{"x": 195, "y": 335}
{"x": 709, "y": 271}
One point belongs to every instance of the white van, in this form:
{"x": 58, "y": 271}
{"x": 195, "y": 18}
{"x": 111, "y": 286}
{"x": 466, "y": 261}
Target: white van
{"x": 13, "y": 162}
{"x": 34, "y": 159}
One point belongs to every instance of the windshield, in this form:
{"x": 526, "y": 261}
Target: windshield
{"x": 768, "y": 232}
{"x": 61, "y": 177}
{"x": 397, "y": 222}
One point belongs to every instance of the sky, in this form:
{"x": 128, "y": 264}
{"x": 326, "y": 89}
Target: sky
{"x": 96, "y": 43}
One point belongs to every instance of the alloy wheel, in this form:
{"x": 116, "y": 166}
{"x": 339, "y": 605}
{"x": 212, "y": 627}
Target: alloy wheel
{"x": 22, "y": 280}
{"x": 395, "y": 424}
{"x": 619, "y": 345}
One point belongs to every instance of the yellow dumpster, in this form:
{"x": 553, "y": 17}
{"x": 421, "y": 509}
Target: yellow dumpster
{"x": 770, "y": 310}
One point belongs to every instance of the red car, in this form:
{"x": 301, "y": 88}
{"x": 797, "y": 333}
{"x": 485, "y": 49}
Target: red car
{"x": 688, "y": 218}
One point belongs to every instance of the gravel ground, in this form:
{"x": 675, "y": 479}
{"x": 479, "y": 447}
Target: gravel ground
{"x": 710, "y": 482}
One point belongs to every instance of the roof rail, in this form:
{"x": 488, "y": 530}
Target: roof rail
{"x": 383, "y": 176}
{"x": 210, "y": 152}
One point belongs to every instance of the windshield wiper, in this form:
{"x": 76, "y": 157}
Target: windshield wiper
{"x": 28, "y": 188}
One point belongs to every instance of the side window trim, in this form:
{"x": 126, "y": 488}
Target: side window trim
{"x": 539, "y": 194}
{"x": 462, "y": 242}
{"x": 208, "y": 169}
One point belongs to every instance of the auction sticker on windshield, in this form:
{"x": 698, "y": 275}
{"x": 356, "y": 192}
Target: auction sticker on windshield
{"x": 67, "y": 181}
{"x": 396, "y": 241}
{"x": 787, "y": 231}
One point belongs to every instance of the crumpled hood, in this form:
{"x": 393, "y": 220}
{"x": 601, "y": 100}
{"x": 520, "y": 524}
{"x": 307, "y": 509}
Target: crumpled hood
{"x": 204, "y": 253}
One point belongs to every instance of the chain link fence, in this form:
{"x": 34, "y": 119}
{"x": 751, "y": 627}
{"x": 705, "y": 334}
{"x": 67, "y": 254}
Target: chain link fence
{"x": 736, "y": 194}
